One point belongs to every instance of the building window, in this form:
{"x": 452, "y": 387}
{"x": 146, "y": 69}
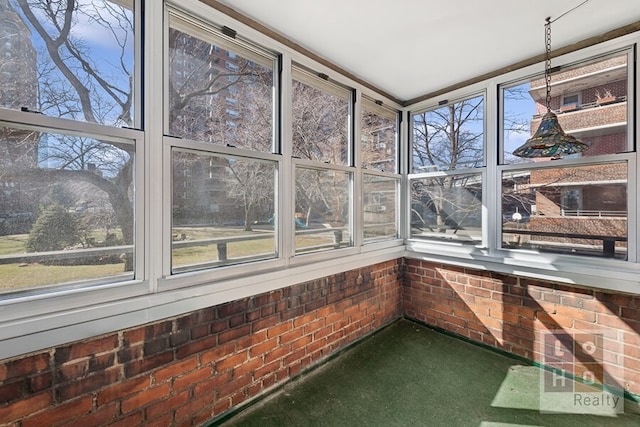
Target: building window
{"x": 577, "y": 205}
{"x": 231, "y": 66}
{"x": 570, "y": 102}
{"x": 445, "y": 184}
{"x": 68, "y": 219}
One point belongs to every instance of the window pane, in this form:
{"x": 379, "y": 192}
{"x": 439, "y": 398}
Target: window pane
{"x": 219, "y": 96}
{"x": 449, "y": 137}
{"x": 320, "y": 124}
{"x": 84, "y": 74}
{"x": 66, "y": 210}
{"x": 575, "y": 210}
{"x": 590, "y": 101}
{"x": 447, "y": 207}
{"x": 323, "y": 211}
{"x": 223, "y": 210}
{"x": 380, "y": 201}
{"x": 378, "y": 132}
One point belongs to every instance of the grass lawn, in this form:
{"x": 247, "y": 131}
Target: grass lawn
{"x": 14, "y": 277}
{"x": 14, "y": 244}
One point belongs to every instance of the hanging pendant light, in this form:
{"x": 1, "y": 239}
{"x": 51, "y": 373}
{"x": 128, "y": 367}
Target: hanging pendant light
{"x": 549, "y": 140}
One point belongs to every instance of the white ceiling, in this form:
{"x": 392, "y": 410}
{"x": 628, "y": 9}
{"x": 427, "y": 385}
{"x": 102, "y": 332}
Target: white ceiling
{"x": 409, "y": 48}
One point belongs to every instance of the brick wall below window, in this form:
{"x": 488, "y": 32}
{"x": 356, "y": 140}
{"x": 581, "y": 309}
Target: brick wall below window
{"x": 186, "y": 370}
{"x": 512, "y": 313}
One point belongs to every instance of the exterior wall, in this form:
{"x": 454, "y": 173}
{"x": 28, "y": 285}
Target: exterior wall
{"x": 590, "y": 118}
{"x": 510, "y": 313}
{"x": 186, "y": 370}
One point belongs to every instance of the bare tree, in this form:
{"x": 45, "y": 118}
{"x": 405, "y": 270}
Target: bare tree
{"x": 251, "y": 183}
{"x": 73, "y": 84}
{"x": 220, "y": 97}
{"x": 320, "y": 134}
{"x": 76, "y": 81}
{"x": 447, "y": 139}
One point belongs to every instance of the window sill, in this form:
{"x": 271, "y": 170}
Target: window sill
{"x": 599, "y": 273}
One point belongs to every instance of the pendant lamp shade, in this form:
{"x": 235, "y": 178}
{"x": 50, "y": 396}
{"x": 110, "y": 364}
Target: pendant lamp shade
{"x": 549, "y": 140}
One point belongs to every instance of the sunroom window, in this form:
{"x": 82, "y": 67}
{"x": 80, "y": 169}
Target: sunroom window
{"x": 323, "y": 209}
{"x": 68, "y": 169}
{"x": 579, "y": 205}
{"x": 67, "y": 208}
{"x": 58, "y": 71}
{"x": 378, "y": 135}
{"x": 227, "y": 214}
{"x": 447, "y": 180}
{"x": 211, "y": 73}
{"x": 380, "y": 203}
{"x": 223, "y": 211}
{"x": 381, "y": 183}
{"x": 321, "y": 119}
{"x": 324, "y": 173}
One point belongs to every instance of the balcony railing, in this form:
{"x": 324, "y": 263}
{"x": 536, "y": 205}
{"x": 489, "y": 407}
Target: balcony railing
{"x": 593, "y": 213}
{"x": 586, "y": 106}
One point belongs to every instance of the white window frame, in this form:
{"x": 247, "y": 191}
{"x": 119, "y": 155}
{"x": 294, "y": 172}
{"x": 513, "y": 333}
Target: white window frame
{"x": 578, "y": 102}
{"x": 435, "y": 245}
{"x": 600, "y": 273}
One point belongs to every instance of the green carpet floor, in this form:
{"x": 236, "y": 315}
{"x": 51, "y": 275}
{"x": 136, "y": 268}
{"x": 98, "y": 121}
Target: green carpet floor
{"x": 410, "y": 375}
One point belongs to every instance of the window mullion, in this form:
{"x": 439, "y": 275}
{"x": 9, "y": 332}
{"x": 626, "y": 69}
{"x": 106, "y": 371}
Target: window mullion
{"x": 286, "y": 182}
{"x": 491, "y": 204}
{"x": 156, "y": 213}
{"x": 357, "y": 198}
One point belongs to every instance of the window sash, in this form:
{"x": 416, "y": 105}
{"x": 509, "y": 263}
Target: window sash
{"x": 207, "y": 32}
{"x": 335, "y": 230}
{"x": 480, "y": 131}
{"x": 377, "y": 208}
{"x": 565, "y": 76}
{"x": 383, "y": 112}
{"x": 224, "y": 243}
{"x": 101, "y": 136}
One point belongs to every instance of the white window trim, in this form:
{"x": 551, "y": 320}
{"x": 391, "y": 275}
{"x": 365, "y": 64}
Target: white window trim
{"x": 598, "y": 273}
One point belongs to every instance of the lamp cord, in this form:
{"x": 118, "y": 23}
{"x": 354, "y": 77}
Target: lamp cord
{"x": 547, "y": 64}
{"x": 568, "y": 11}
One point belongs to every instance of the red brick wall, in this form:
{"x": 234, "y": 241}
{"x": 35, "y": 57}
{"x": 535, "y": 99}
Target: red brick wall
{"x": 186, "y": 370}
{"x": 511, "y": 313}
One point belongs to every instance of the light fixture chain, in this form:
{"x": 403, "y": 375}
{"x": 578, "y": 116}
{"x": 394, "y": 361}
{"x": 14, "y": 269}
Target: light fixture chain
{"x": 547, "y": 65}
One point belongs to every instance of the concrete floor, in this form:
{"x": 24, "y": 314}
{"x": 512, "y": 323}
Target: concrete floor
{"x": 410, "y": 375}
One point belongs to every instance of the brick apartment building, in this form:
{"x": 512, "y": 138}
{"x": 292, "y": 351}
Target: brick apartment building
{"x": 569, "y": 203}
{"x": 18, "y": 149}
